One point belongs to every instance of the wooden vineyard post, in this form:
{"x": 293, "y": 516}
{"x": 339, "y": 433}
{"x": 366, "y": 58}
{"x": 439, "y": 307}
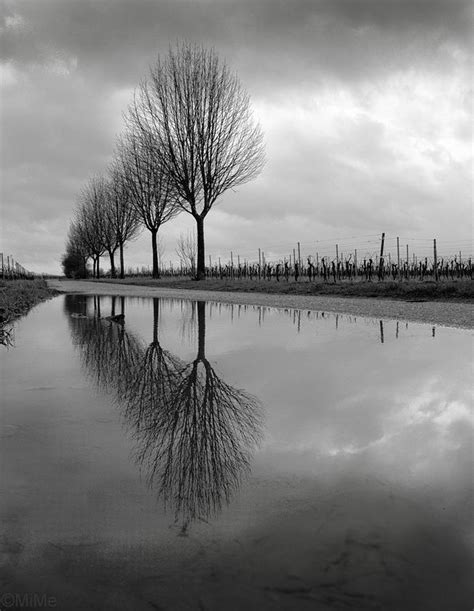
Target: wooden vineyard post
{"x": 381, "y": 257}
{"x": 398, "y": 256}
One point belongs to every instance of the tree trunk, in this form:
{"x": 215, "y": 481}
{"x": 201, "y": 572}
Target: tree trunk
{"x": 112, "y": 264}
{"x": 154, "y": 247}
{"x": 98, "y": 266}
{"x": 201, "y": 311}
{"x": 122, "y": 270}
{"x": 201, "y": 263}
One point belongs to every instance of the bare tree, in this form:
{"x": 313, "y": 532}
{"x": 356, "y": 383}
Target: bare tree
{"x": 122, "y": 214}
{"x": 148, "y": 185}
{"x": 108, "y": 219}
{"x": 74, "y": 260}
{"x": 90, "y": 220}
{"x": 201, "y": 122}
{"x": 186, "y": 251}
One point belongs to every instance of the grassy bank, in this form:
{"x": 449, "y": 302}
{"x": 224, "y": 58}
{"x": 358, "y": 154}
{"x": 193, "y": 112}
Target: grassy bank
{"x": 17, "y": 297}
{"x": 445, "y": 290}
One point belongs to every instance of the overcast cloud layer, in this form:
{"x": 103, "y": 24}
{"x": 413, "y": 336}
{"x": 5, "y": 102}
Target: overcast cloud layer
{"x": 366, "y": 107}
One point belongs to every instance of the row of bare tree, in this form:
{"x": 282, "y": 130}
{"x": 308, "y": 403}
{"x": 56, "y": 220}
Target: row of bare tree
{"x": 189, "y": 137}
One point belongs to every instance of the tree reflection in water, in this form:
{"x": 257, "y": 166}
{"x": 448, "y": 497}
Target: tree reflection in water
{"x": 202, "y": 442}
{"x": 195, "y": 434}
{"x": 152, "y": 383}
{"x": 109, "y": 354}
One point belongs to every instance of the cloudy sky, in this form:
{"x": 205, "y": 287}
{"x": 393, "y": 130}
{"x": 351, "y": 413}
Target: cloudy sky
{"x": 366, "y": 106}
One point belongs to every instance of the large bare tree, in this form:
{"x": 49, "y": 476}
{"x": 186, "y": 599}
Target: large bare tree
{"x": 202, "y": 125}
{"x": 148, "y": 184}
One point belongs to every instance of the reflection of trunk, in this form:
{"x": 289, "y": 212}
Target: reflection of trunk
{"x": 201, "y": 264}
{"x": 201, "y": 308}
{"x": 156, "y": 311}
{"x": 97, "y": 306}
{"x": 154, "y": 248}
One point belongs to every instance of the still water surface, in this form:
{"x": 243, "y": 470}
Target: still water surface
{"x": 209, "y": 456}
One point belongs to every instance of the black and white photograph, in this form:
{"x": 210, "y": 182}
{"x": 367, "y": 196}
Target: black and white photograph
{"x": 236, "y": 305}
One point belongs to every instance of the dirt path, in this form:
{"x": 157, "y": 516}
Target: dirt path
{"x": 450, "y": 314}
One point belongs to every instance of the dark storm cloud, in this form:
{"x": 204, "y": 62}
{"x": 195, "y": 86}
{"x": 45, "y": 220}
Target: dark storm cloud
{"x": 116, "y": 39}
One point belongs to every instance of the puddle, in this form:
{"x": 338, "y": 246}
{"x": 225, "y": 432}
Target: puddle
{"x": 195, "y": 455}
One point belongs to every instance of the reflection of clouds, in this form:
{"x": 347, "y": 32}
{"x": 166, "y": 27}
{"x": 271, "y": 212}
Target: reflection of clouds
{"x": 342, "y": 396}
{"x": 387, "y": 424}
